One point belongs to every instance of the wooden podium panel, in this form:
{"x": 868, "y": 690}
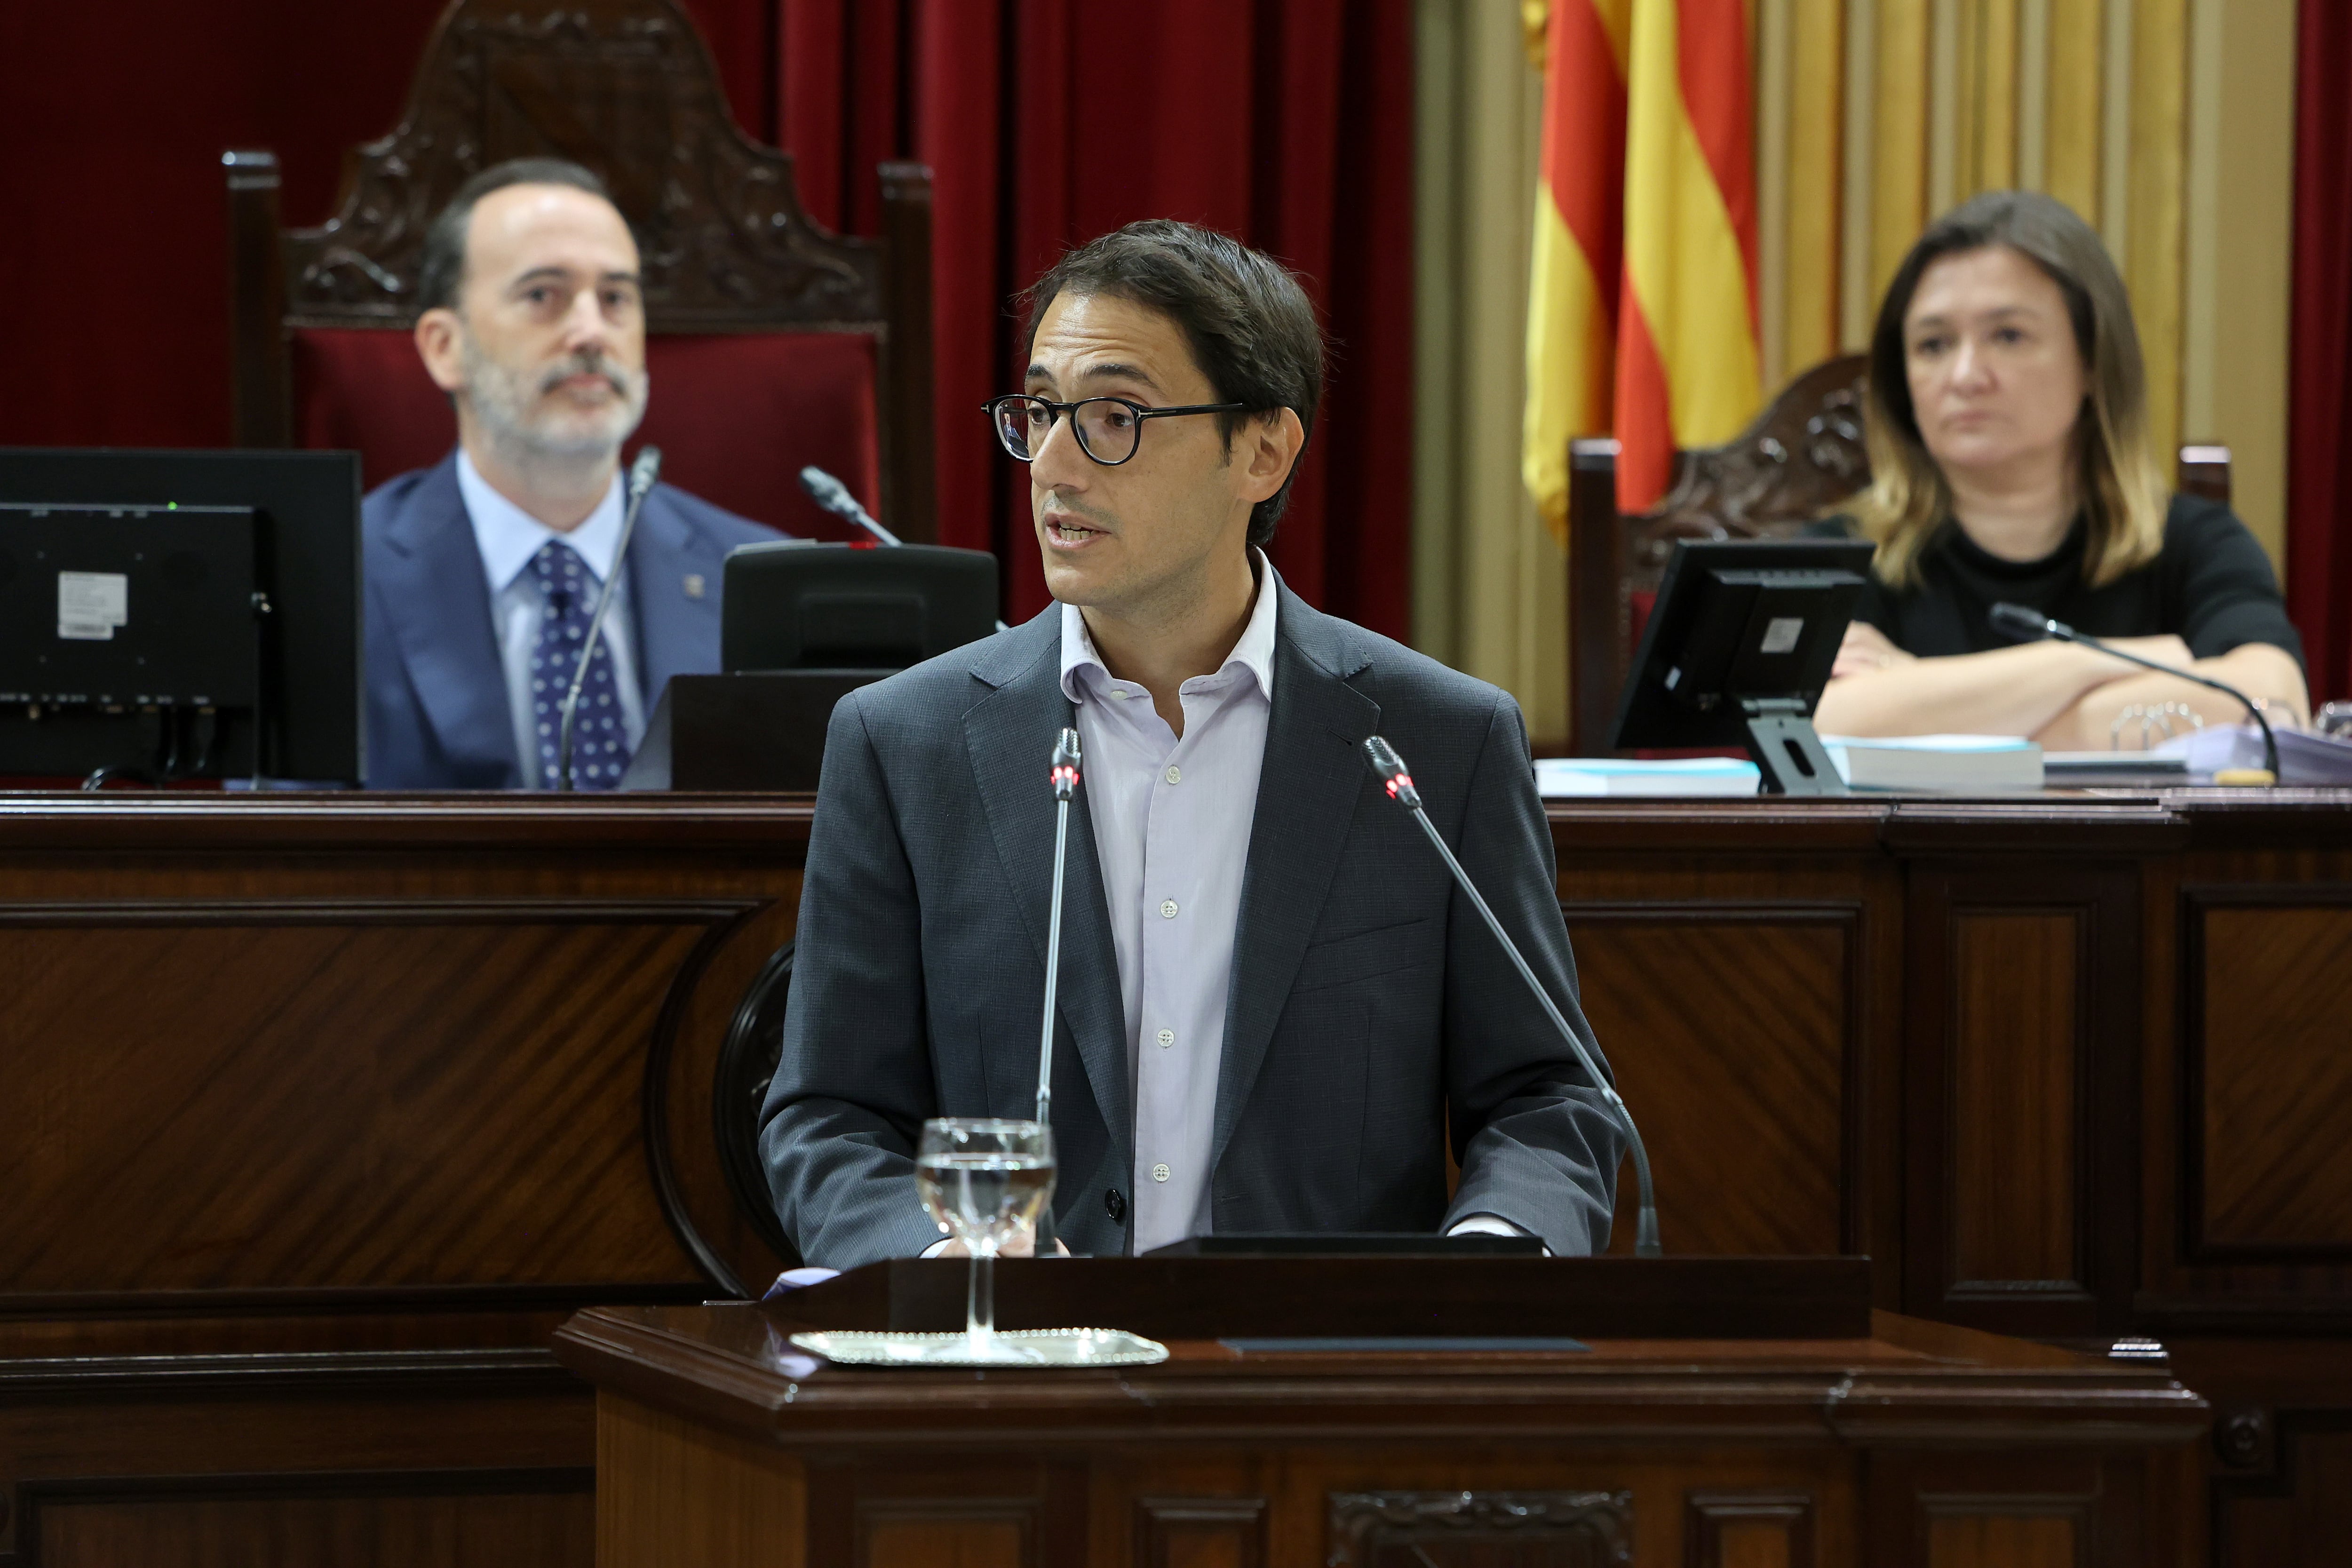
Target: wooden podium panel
{"x": 722, "y": 1446}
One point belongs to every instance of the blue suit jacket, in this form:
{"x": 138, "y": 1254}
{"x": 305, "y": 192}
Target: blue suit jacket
{"x": 436, "y": 692}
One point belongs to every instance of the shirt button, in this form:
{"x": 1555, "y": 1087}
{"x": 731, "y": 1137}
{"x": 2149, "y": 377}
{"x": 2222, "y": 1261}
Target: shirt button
{"x": 1159, "y": 1172}
{"x": 1167, "y": 1039}
{"x": 1175, "y": 776}
{"x": 1167, "y": 909}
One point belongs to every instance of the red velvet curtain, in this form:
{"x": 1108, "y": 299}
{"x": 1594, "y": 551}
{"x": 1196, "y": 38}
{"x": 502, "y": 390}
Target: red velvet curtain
{"x": 1048, "y": 121}
{"x": 1288, "y": 122}
{"x": 2319, "y": 418}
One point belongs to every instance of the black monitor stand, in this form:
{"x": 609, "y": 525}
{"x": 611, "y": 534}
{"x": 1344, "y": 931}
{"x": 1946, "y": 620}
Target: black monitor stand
{"x": 1787, "y": 749}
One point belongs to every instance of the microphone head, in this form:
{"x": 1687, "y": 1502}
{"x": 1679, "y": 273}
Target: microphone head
{"x": 1389, "y": 768}
{"x": 645, "y": 471}
{"x": 2019, "y": 622}
{"x": 823, "y": 489}
{"x": 1065, "y": 762}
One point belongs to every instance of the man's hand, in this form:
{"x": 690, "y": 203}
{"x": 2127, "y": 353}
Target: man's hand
{"x": 1866, "y": 648}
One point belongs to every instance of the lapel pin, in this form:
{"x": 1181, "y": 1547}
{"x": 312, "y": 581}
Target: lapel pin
{"x": 694, "y": 584}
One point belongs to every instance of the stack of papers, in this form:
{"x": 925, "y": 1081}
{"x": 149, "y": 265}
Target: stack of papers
{"x": 1936, "y": 762}
{"x": 1558, "y": 778}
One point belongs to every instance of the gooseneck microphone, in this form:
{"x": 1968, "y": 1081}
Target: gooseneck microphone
{"x": 834, "y": 496}
{"x": 1065, "y": 780}
{"x": 2031, "y": 626}
{"x": 1390, "y": 770}
{"x": 642, "y": 475}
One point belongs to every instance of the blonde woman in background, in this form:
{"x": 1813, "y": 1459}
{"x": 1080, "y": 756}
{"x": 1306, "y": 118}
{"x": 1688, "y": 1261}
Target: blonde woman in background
{"x": 2010, "y": 461}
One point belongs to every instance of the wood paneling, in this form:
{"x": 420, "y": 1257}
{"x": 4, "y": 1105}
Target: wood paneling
{"x": 544, "y": 1532}
{"x": 1729, "y": 1040}
{"x": 2276, "y": 1075}
{"x": 673, "y": 1492}
{"x": 947, "y": 1543}
{"x": 444, "y": 1097}
{"x": 2016, "y": 1003}
{"x": 1200, "y": 1532}
{"x": 2003, "y": 1541}
{"x": 1750, "y": 1530}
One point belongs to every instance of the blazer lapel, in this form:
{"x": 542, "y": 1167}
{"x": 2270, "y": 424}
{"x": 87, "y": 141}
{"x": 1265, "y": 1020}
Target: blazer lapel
{"x": 676, "y": 635}
{"x": 1010, "y": 735}
{"x": 1307, "y": 789}
{"x": 439, "y": 604}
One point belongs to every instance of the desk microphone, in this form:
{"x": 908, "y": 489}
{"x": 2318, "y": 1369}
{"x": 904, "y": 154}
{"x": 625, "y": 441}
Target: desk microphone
{"x": 1390, "y": 769}
{"x": 834, "y": 496}
{"x": 1065, "y": 780}
{"x": 642, "y": 475}
{"x": 2031, "y": 626}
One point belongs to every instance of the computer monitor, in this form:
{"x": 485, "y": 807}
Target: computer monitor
{"x": 800, "y": 606}
{"x": 1737, "y": 649}
{"x": 181, "y": 613}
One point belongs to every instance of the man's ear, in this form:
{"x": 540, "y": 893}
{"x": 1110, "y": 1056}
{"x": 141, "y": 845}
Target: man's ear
{"x": 1269, "y": 450}
{"x": 436, "y": 345}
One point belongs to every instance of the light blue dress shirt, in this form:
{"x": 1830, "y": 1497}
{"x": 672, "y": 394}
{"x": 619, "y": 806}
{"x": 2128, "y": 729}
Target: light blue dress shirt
{"x": 508, "y": 537}
{"x": 1171, "y": 823}
{"x": 1173, "y": 818}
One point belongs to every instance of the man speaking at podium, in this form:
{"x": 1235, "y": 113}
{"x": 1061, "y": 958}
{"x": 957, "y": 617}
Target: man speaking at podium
{"x": 1274, "y": 1007}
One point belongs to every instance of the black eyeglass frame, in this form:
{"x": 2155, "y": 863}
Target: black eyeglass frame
{"x": 1060, "y": 410}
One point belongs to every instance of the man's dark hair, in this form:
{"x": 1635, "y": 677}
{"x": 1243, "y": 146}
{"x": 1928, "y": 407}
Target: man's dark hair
{"x": 1250, "y": 325}
{"x": 441, "y": 271}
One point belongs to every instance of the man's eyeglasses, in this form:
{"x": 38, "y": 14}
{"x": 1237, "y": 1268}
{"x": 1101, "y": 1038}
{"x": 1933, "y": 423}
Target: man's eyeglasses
{"x": 1109, "y": 428}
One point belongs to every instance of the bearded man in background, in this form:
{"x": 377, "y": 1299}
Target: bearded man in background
{"x": 482, "y": 571}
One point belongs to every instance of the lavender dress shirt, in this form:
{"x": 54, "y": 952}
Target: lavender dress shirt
{"x": 1171, "y": 827}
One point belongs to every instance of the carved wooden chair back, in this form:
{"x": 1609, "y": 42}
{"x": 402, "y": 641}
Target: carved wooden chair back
{"x": 1802, "y": 456}
{"x": 770, "y": 342}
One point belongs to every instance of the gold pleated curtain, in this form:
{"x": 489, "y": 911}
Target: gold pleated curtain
{"x": 2168, "y": 124}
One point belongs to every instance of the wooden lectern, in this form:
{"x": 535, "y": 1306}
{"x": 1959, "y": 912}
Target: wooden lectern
{"x": 1725, "y": 1412}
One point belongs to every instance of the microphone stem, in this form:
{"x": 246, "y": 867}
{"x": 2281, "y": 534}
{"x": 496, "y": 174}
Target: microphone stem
{"x": 2270, "y": 742}
{"x": 596, "y": 630}
{"x": 1645, "y": 1240}
{"x": 1046, "y": 1240}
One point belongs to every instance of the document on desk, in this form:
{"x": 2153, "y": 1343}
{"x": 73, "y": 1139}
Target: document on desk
{"x": 1940, "y": 762}
{"x": 1565, "y": 778}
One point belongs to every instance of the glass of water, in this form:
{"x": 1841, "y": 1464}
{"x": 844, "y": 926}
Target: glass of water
{"x": 985, "y": 1181}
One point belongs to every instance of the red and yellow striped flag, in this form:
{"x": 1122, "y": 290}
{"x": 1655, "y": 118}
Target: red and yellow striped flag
{"x": 1641, "y": 308}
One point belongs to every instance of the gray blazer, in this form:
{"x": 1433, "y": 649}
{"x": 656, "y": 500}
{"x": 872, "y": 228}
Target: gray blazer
{"x": 1371, "y": 1012}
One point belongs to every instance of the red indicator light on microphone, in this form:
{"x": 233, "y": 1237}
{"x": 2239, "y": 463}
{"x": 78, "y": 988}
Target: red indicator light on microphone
{"x": 1401, "y": 781}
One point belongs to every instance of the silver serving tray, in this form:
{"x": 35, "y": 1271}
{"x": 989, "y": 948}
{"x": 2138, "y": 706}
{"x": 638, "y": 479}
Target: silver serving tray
{"x": 1037, "y": 1348}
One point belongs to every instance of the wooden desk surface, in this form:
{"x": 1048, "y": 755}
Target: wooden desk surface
{"x": 331, "y": 1098}
{"x": 735, "y": 1366}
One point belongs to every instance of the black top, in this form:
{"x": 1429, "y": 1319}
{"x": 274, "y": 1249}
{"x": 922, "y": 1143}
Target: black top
{"x": 2210, "y": 586}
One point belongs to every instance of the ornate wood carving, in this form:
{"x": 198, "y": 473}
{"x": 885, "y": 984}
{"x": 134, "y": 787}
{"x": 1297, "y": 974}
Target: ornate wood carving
{"x": 1438, "y": 1530}
{"x": 1802, "y": 456}
{"x": 626, "y": 88}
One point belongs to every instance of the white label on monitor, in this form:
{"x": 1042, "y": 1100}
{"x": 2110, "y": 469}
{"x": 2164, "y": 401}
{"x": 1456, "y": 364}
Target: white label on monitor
{"x": 1780, "y": 634}
{"x": 90, "y": 605}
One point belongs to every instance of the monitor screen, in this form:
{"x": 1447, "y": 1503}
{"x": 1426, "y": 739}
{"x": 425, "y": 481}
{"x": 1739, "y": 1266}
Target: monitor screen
{"x": 799, "y": 605}
{"x": 299, "y": 544}
{"x": 1738, "y": 622}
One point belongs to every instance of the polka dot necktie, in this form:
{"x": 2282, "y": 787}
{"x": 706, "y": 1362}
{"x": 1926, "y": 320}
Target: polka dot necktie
{"x": 599, "y": 745}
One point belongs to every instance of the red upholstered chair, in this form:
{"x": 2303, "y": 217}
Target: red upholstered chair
{"x": 770, "y": 342}
{"x": 1801, "y": 457}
